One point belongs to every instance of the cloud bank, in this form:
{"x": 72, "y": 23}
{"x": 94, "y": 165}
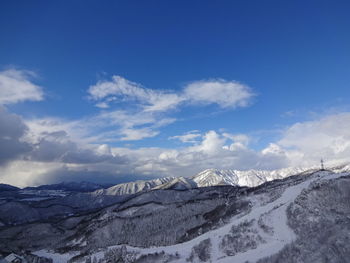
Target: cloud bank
{"x": 54, "y": 155}
{"x": 48, "y": 150}
{"x": 12, "y": 129}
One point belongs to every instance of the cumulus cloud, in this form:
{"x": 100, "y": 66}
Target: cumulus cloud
{"x": 54, "y": 154}
{"x": 302, "y": 144}
{"x": 58, "y": 147}
{"x": 50, "y": 150}
{"x": 16, "y": 86}
{"x": 34, "y": 153}
{"x": 51, "y": 147}
{"x": 211, "y": 144}
{"x": 12, "y": 129}
{"x": 238, "y": 138}
{"x": 212, "y": 150}
{"x": 328, "y": 138}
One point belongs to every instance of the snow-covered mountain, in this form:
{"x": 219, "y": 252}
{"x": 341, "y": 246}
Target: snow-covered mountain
{"x": 250, "y": 178}
{"x": 300, "y": 218}
{"x": 206, "y": 178}
{"x": 178, "y": 183}
{"x": 134, "y": 187}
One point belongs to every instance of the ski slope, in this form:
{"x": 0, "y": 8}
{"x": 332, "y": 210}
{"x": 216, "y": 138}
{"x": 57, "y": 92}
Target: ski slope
{"x": 274, "y": 214}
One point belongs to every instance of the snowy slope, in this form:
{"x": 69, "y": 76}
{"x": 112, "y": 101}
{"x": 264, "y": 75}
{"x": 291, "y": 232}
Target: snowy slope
{"x": 209, "y": 177}
{"x": 250, "y": 178}
{"x": 259, "y": 233}
{"x": 274, "y": 216}
{"x": 133, "y": 187}
{"x": 179, "y": 183}
{"x": 278, "y": 220}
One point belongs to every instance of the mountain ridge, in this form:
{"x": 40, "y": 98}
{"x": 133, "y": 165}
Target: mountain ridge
{"x": 221, "y": 223}
{"x": 205, "y": 178}
{"x": 83, "y": 186}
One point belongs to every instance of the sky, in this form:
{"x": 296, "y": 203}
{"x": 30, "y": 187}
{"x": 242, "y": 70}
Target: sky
{"x": 115, "y": 91}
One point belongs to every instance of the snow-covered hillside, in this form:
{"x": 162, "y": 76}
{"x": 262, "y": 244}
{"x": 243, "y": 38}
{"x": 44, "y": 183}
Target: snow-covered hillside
{"x": 250, "y": 178}
{"x": 205, "y": 218}
{"x": 206, "y": 178}
{"x": 264, "y": 231}
{"x": 134, "y": 187}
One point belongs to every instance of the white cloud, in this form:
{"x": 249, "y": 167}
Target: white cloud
{"x": 212, "y": 151}
{"x": 211, "y": 144}
{"x": 137, "y": 134}
{"x": 102, "y": 105}
{"x": 119, "y": 86}
{"x": 79, "y": 131}
{"x": 56, "y": 154}
{"x": 123, "y": 125}
{"x": 163, "y": 102}
{"x": 47, "y": 151}
{"x": 227, "y": 94}
{"x": 58, "y": 147}
{"x": 328, "y": 138}
{"x": 273, "y": 149}
{"x": 146, "y": 110}
{"x": 12, "y": 129}
{"x": 127, "y": 119}
{"x": 120, "y": 89}
{"x": 54, "y": 148}
{"x": 26, "y": 173}
{"x": 188, "y": 137}
{"x": 238, "y": 138}
{"x": 302, "y": 144}
{"x": 16, "y": 86}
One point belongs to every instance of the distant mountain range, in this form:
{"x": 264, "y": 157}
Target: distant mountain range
{"x": 206, "y": 178}
{"x": 71, "y": 186}
{"x": 288, "y": 215}
{"x": 7, "y": 187}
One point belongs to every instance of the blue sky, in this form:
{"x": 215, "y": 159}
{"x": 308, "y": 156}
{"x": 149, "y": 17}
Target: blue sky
{"x": 290, "y": 59}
